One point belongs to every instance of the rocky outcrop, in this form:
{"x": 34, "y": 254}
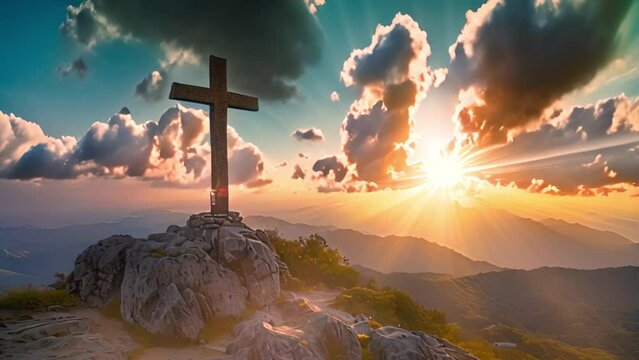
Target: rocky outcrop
{"x": 294, "y": 329}
{"x": 172, "y": 283}
{"x": 99, "y": 270}
{"x": 53, "y": 335}
{"x": 391, "y": 343}
{"x": 297, "y": 329}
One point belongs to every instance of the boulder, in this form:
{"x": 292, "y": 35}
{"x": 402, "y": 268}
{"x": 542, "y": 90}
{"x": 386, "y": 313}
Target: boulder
{"x": 172, "y": 283}
{"x": 294, "y": 329}
{"x": 391, "y": 343}
{"x": 99, "y": 270}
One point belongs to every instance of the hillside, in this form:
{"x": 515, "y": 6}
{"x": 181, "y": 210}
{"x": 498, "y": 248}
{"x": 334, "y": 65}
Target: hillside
{"x": 387, "y": 254}
{"x": 32, "y": 255}
{"x": 586, "y": 308}
{"x": 506, "y": 240}
{"x": 498, "y": 237}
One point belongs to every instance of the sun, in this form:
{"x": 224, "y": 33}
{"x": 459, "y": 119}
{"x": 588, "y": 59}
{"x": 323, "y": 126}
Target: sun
{"x": 445, "y": 171}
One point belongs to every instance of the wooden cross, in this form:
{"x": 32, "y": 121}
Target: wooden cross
{"x": 219, "y": 99}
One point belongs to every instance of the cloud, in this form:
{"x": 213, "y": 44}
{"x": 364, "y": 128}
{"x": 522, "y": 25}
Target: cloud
{"x": 314, "y": 4}
{"x": 311, "y": 134}
{"x": 582, "y": 151}
{"x": 266, "y": 55}
{"x": 334, "y": 96}
{"x": 298, "y": 173}
{"x": 153, "y": 87}
{"x": 176, "y": 55}
{"x": 86, "y": 26}
{"x": 393, "y": 76}
{"x": 331, "y": 166}
{"x": 172, "y": 150}
{"x": 77, "y": 67}
{"x": 515, "y": 58}
{"x": 245, "y": 162}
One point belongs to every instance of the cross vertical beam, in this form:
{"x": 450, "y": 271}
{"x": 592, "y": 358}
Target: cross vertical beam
{"x": 219, "y": 100}
{"x": 219, "y": 161}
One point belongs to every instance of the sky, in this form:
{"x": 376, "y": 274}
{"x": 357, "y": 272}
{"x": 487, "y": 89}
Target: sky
{"x": 530, "y": 106}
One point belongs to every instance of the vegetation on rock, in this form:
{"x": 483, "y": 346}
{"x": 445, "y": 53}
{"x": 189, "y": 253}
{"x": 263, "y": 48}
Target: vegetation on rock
{"x": 396, "y": 308}
{"x": 313, "y": 262}
{"x": 35, "y": 298}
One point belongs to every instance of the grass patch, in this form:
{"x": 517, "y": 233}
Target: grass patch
{"x": 393, "y": 307}
{"x": 36, "y": 298}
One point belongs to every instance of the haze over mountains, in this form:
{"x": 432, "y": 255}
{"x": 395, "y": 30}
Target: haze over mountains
{"x": 389, "y": 253}
{"x": 488, "y": 241}
{"x": 586, "y": 308}
{"x": 494, "y": 236}
{"x": 506, "y": 240}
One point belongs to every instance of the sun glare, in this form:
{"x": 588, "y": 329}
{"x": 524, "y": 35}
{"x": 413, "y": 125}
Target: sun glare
{"x": 445, "y": 172}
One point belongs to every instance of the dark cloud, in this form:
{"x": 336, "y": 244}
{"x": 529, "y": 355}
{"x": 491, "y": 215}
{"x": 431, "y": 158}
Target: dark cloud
{"x": 312, "y": 134}
{"x": 514, "y": 58}
{"x": 372, "y": 141}
{"x": 86, "y": 26}
{"x": 387, "y": 61}
{"x": 298, "y": 173}
{"x": 173, "y": 150}
{"x": 585, "y": 150}
{"x": 266, "y": 54}
{"x": 77, "y": 67}
{"x": 153, "y": 87}
{"x": 393, "y": 75}
{"x": 330, "y": 166}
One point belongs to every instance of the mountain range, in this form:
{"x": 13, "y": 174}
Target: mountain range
{"x": 389, "y": 253}
{"x": 499, "y": 238}
{"x": 585, "y": 308}
{"x": 32, "y": 254}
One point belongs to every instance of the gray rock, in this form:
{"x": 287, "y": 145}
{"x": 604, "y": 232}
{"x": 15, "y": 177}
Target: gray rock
{"x": 53, "y": 335}
{"x": 302, "y": 331}
{"x": 257, "y": 263}
{"x": 175, "y": 295}
{"x": 99, "y": 270}
{"x": 391, "y": 343}
{"x": 172, "y": 284}
{"x": 174, "y": 229}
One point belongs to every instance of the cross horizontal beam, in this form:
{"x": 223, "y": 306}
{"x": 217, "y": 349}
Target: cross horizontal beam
{"x": 203, "y": 95}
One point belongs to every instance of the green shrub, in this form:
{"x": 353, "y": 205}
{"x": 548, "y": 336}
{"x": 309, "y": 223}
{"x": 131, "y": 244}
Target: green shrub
{"x": 393, "y": 307}
{"x": 60, "y": 281}
{"x": 312, "y": 261}
{"x": 33, "y": 298}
